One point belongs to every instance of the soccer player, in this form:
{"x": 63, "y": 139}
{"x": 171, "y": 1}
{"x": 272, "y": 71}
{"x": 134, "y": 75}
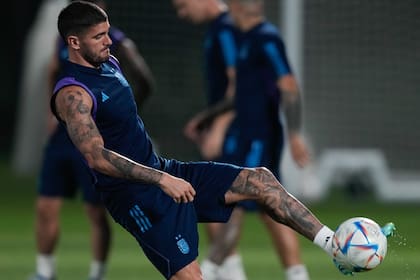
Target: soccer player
{"x": 220, "y": 55}
{"x": 158, "y": 201}
{"x": 265, "y": 131}
{"x": 220, "y": 52}
{"x": 63, "y": 169}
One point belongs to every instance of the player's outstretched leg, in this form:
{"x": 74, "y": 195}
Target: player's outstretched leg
{"x": 261, "y": 185}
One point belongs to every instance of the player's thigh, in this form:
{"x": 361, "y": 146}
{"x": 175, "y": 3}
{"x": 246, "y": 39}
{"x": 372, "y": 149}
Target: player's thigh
{"x": 166, "y": 231}
{"x": 211, "y": 181}
{"x": 97, "y": 214}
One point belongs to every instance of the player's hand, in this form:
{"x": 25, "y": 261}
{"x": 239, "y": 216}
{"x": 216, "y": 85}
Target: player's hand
{"x": 180, "y": 190}
{"x": 298, "y": 150}
{"x": 191, "y": 130}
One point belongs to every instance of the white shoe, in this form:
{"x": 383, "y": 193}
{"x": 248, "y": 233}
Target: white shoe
{"x": 209, "y": 270}
{"x": 232, "y": 269}
{"x": 297, "y": 272}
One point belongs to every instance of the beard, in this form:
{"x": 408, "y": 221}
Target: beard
{"x": 96, "y": 59}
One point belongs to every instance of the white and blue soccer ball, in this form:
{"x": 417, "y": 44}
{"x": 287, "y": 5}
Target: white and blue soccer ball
{"x": 359, "y": 245}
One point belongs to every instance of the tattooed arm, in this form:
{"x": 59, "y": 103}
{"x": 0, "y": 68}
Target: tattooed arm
{"x": 74, "y": 105}
{"x": 292, "y": 106}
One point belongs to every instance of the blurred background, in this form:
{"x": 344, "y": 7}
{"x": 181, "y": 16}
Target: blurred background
{"x": 358, "y": 63}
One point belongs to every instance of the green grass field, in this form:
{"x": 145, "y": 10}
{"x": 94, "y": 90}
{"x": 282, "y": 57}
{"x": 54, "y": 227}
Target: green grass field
{"x": 17, "y": 246}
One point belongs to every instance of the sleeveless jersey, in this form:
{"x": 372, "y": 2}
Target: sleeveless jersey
{"x": 60, "y": 138}
{"x": 114, "y": 110}
{"x": 220, "y": 53}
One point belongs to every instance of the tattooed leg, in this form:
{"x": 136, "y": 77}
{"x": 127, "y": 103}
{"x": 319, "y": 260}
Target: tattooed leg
{"x": 260, "y": 184}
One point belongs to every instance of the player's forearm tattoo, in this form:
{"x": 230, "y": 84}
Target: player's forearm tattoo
{"x": 128, "y": 169}
{"x": 293, "y": 110}
{"x": 277, "y": 202}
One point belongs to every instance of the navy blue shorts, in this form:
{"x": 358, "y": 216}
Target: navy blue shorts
{"x": 167, "y": 231}
{"x": 253, "y": 152}
{"x": 64, "y": 172}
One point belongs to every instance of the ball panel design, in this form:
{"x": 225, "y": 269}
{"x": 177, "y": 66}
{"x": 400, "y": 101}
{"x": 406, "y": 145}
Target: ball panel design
{"x": 359, "y": 244}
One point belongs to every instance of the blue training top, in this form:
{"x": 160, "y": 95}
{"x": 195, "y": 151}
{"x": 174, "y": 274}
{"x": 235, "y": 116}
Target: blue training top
{"x": 220, "y": 53}
{"x": 114, "y": 110}
{"x": 261, "y": 61}
{"x": 59, "y": 138}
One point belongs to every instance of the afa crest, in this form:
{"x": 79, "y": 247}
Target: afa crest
{"x": 182, "y": 245}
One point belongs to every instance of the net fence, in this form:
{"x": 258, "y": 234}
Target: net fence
{"x": 362, "y": 77}
{"x": 361, "y": 73}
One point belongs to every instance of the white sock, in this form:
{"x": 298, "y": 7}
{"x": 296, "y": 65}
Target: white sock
{"x": 209, "y": 270}
{"x": 324, "y": 239}
{"x": 45, "y": 265}
{"x": 232, "y": 268}
{"x": 97, "y": 270}
{"x": 297, "y": 272}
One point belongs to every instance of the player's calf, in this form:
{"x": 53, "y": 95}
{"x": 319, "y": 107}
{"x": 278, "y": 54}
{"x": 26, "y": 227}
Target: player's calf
{"x": 261, "y": 185}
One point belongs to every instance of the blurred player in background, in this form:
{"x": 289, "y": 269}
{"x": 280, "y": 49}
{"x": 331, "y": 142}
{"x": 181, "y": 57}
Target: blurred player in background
{"x": 220, "y": 55}
{"x": 256, "y": 136}
{"x": 63, "y": 170}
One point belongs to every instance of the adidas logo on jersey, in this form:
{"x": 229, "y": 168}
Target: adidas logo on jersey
{"x": 104, "y": 97}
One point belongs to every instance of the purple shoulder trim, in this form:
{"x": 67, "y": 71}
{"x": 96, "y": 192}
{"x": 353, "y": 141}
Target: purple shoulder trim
{"x": 70, "y": 81}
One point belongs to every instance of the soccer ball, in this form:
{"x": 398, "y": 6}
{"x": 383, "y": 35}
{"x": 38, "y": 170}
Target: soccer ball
{"x": 359, "y": 245}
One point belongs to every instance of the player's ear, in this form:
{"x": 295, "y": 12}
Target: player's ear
{"x": 73, "y": 42}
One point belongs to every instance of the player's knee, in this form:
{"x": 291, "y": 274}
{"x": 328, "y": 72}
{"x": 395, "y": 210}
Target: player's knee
{"x": 264, "y": 171}
{"x": 257, "y": 183}
{"x": 47, "y": 209}
{"x": 189, "y": 272}
{"x": 263, "y": 179}
{"x": 272, "y": 193}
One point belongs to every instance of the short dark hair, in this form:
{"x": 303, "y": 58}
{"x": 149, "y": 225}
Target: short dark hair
{"x": 78, "y": 16}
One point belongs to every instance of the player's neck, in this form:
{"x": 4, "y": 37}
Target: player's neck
{"x": 248, "y": 23}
